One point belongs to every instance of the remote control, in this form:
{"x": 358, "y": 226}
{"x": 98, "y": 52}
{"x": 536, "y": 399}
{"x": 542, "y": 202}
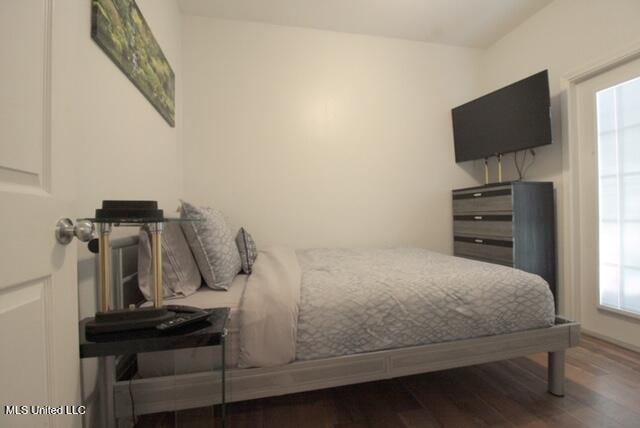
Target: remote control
{"x": 182, "y": 309}
{"x": 182, "y": 320}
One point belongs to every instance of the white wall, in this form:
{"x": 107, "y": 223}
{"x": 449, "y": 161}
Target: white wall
{"x": 313, "y": 138}
{"x": 122, "y": 147}
{"x": 563, "y": 37}
{"x": 125, "y": 149}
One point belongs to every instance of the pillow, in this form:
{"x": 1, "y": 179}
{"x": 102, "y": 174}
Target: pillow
{"x": 247, "y": 249}
{"x": 180, "y": 274}
{"x": 212, "y": 244}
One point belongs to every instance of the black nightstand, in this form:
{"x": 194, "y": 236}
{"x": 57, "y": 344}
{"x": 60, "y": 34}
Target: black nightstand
{"x": 108, "y": 346}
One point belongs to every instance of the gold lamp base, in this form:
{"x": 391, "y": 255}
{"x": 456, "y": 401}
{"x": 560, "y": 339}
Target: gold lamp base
{"x": 128, "y": 213}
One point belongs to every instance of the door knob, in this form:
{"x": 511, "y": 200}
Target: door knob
{"x": 66, "y": 231}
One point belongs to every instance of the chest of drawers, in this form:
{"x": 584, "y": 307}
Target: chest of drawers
{"x": 512, "y": 224}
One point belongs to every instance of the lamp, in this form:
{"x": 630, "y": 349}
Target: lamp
{"x": 127, "y": 213}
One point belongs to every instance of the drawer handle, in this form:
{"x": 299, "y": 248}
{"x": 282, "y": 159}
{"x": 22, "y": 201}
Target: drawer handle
{"x": 477, "y": 195}
{"x": 478, "y": 241}
{"x": 478, "y": 217}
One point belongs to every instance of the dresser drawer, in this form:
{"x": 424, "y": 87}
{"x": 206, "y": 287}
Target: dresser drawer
{"x": 489, "y": 250}
{"x": 500, "y": 226}
{"x": 482, "y": 201}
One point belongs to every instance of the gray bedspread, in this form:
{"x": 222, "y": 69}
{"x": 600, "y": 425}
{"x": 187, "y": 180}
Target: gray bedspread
{"x": 361, "y": 300}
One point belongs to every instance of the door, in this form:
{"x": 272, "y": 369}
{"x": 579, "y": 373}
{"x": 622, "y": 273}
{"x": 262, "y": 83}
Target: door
{"x": 608, "y": 108}
{"x": 39, "y": 363}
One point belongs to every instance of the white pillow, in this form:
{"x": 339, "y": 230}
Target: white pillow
{"x": 180, "y": 274}
{"x": 213, "y": 245}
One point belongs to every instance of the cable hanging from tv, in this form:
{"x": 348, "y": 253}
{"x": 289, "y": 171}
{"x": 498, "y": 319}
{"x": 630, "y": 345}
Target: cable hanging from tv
{"x": 521, "y": 165}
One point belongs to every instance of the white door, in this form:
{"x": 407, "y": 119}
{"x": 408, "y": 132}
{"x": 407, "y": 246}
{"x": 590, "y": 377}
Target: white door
{"x": 39, "y": 363}
{"x": 608, "y": 109}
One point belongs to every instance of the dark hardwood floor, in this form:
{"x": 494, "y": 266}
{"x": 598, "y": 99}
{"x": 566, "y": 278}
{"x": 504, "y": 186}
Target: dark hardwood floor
{"x": 603, "y": 390}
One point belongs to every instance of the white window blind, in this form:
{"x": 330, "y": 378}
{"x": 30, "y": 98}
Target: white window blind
{"x": 618, "y": 110}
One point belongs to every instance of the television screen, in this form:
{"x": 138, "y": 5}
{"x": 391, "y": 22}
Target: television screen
{"x": 513, "y": 118}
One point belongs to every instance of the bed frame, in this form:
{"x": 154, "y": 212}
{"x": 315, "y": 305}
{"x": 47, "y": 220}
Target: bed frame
{"x": 168, "y": 393}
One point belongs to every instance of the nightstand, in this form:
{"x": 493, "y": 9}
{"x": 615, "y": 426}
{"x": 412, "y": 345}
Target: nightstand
{"x": 107, "y": 347}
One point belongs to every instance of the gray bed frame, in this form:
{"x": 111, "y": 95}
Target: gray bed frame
{"x": 177, "y": 392}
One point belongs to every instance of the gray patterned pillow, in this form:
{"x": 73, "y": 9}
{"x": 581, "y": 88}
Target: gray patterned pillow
{"x": 212, "y": 244}
{"x": 247, "y": 249}
{"x": 180, "y": 273}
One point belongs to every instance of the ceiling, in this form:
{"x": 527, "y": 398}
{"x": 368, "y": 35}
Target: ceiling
{"x": 471, "y": 23}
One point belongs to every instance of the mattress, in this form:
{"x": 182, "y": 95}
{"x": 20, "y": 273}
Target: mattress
{"x": 193, "y": 360}
{"x": 362, "y": 300}
{"x": 323, "y": 303}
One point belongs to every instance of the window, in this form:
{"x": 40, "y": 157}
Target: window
{"x": 618, "y": 111}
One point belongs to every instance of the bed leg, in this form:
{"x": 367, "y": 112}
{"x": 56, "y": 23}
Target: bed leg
{"x": 556, "y": 373}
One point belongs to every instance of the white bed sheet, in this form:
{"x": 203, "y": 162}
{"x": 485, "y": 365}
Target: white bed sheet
{"x": 195, "y": 360}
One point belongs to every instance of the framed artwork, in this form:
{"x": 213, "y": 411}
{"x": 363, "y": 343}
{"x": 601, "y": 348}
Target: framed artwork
{"x": 119, "y": 28}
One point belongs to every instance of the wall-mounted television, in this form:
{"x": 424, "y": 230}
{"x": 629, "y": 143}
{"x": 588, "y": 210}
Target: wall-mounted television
{"x": 516, "y": 117}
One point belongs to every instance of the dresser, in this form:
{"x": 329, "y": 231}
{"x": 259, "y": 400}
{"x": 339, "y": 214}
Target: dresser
{"x": 511, "y": 224}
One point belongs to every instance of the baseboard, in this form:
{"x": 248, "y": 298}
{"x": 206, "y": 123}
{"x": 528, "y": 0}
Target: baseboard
{"x": 616, "y": 342}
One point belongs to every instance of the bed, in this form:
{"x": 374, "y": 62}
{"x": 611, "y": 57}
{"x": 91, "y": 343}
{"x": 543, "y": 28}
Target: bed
{"x": 341, "y": 316}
